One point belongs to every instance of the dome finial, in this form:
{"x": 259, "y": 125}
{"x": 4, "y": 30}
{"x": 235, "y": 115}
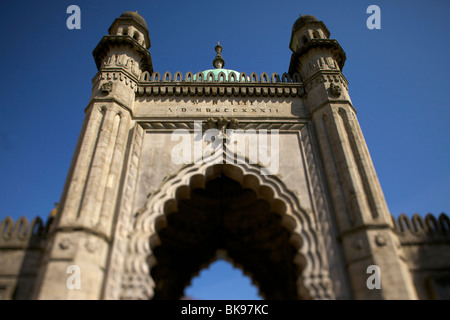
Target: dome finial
{"x": 218, "y": 61}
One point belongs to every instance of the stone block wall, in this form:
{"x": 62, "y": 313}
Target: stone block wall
{"x": 426, "y": 244}
{"x": 21, "y": 247}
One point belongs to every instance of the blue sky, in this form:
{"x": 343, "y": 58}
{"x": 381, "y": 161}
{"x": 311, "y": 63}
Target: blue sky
{"x": 397, "y": 79}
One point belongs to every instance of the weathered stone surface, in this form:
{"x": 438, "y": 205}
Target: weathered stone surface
{"x": 300, "y": 210}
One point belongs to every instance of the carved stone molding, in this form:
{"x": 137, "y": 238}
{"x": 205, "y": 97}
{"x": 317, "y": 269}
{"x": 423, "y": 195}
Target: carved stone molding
{"x": 124, "y": 223}
{"x": 106, "y": 88}
{"x": 330, "y": 77}
{"x": 335, "y": 90}
{"x": 314, "y": 281}
{"x": 214, "y": 123}
{"x": 221, "y": 89}
{"x": 380, "y": 240}
{"x": 116, "y": 75}
{"x": 65, "y": 243}
{"x": 122, "y": 60}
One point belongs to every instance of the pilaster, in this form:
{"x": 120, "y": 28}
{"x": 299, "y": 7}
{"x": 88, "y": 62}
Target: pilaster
{"x": 364, "y": 222}
{"x": 82, "y": 233}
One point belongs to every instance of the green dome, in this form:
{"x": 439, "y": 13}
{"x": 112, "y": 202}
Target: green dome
{"x": 216, "y": 73}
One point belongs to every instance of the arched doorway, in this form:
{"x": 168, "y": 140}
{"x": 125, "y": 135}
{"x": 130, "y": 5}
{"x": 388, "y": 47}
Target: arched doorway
{"x": 224, "y": 218}
{"x": 205, "y": 209}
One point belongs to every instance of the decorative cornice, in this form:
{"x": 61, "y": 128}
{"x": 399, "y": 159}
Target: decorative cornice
{"x": 231, "y": 85}
{"x": 23, "y": 233}
{"x": 117, "y": 74}
{"x": 418, "y": 230}
{"x": 189, "y": 125}
{"x": 170, "y": 89}
{"x": 329, "y": 44}
{"x": 332, "y": 77}
{"x": 101, "y": 51}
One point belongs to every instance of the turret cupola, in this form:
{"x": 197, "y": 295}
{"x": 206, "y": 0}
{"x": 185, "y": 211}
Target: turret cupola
{"x": 127, "y": 31}
{"x": 131, "y": 24}
{"x": 308, "y": 34}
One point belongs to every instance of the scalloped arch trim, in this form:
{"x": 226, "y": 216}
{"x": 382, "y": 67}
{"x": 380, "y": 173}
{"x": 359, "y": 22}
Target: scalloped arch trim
{"x": 314, "y": 281}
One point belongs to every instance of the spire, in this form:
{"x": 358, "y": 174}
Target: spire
{"x": 218, "y": 61}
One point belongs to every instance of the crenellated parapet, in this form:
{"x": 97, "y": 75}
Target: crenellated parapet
{"x": 220, "y": 84}
{"x": 22, "y": 233}
{"x": 22, "y": 245}
{"x": 425, "y": 243}
{"x": 426, "y": 229}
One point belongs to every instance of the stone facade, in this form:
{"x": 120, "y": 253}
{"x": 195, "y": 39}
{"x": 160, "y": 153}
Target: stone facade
{"x": 139, "y": 224}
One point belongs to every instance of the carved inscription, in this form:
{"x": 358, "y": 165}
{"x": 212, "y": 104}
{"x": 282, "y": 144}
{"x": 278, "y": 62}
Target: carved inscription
{"x": 222, "y": 110}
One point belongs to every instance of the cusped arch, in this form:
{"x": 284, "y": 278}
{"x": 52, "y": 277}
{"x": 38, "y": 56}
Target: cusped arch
{"x": 313, "y": 282}
{"x": 235, "y": 265}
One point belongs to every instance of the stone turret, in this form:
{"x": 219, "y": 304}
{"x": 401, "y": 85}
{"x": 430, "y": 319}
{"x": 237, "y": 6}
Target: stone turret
{"x": 317, "y": 59}
{"x": 121, "y": 57}
{"x": 362, "y": 215}
{"x": 131, "y": 224}
{"x": 84, "y": 225}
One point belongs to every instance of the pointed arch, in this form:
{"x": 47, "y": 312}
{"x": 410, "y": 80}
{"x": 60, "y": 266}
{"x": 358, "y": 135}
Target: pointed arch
{"x": 444, "y": 221}
{"x": 286, "y": 77}
{"x": 418, "y": 224}
{"x": 188, "y": 77}
{"x": 296, "y": 77}
{"x": 264, "y": 77}
{"x": 177, "y": 77}
{"x": 6, "y": 227}
{"x": 156, "y": 77}
{"x": 200, "y": 77}
{"x": 221, "y": 77}
{"x": 243, "y": 77}
{"x": 313, "y": 282}
{"x": 145, "y": 76}
{"x": 232, "y": 77}
{"x": 275, "y": 77}
{"x": 403, "y": 223}
{"x": 167, "y": 77}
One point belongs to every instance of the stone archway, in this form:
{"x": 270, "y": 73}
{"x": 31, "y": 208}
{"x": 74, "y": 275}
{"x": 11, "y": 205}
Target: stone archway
{"x": 293, "y": 258}
{"x": 230, "y": 220}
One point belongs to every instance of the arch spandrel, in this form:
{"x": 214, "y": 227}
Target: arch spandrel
{"x": 312, "y": 283}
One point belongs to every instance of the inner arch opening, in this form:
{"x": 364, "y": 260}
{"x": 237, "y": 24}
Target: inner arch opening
{"x": 221, "y": 281}
{"x": 224, "y": 216}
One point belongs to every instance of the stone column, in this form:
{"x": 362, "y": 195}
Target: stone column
{"x": 83, "y": 230}
{"x": 362, "y": 214}
{"x": 81, "y": 236}
{"x": 364, "y": 222}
